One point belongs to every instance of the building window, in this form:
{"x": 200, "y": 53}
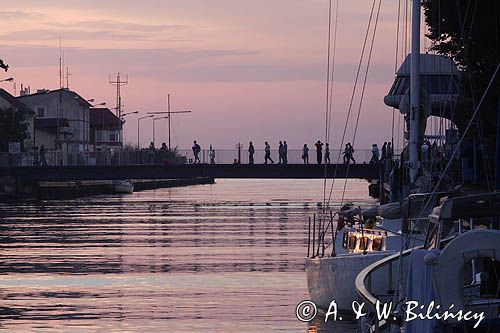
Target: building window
{"x": 99, "y": 136}
{"x": 40, "y": 111}
{"x": 113, "y": 137}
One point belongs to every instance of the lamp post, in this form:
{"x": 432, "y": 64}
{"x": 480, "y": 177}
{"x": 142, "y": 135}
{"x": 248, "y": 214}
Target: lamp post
{"x": 10, "y": 79}
{"x": 154, "y": 121}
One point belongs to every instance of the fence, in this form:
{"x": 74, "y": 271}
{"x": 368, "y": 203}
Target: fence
{"x": 183, "y": 156}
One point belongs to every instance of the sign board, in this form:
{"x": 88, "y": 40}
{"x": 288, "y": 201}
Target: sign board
{"x": 14, "y": 147}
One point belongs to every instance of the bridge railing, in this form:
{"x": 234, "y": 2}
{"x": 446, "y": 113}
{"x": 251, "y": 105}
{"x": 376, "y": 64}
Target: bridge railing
{"x": 182, "y": 156}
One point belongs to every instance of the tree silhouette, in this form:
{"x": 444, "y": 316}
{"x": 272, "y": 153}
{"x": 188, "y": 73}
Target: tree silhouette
{"x": 12, "y": 127}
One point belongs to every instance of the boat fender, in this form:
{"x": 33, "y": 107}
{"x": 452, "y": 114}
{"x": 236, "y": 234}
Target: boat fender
{"x": 450, "y": 266}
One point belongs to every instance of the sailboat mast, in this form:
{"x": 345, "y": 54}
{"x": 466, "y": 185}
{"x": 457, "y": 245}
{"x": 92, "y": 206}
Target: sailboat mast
{"x": 415, "y": 92}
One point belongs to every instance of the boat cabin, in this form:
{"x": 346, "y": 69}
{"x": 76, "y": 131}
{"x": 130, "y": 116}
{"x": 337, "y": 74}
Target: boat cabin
{"x": 439, "y": 80}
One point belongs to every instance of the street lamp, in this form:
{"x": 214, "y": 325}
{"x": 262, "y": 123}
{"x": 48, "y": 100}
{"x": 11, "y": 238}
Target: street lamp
{"x": 10, "y": 79}
{"x": 100, "y": 104}
{"x": 138, "y": 129}
{"x": 154, "y": 120}
{"x": 126, "y": 114}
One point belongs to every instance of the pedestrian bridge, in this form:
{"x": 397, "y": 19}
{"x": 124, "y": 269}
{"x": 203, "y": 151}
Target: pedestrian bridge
{"x": 157, "y": 171}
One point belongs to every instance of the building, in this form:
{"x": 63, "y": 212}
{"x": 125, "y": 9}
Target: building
{"x": 104, "y": 129}
{"x": 60, "y": 104}
{"x": 9, "y": 101}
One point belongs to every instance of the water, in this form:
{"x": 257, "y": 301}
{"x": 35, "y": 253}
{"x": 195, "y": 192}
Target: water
{"x": 227, "y": 257}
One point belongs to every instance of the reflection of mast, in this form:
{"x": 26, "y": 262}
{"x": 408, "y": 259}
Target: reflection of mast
{"x": 415, "y": 93}
{"x": 119, "y": 83}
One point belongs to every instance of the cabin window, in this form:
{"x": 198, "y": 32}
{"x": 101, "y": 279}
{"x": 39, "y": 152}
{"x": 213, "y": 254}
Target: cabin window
{"x": 353, "y": 240}
{"x": 345, "y": 240}
{"x": 363, "y": 243}
{"x": 377, "y": 244}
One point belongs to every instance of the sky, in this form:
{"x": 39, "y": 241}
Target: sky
{"x": 248, "y": 70}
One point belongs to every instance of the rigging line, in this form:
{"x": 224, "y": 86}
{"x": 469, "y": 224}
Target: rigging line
{"x": 334, "y": 52}
{"x": 327, "y": 95}
{"x": 352, "y": 99}
{"x": 330, "y": 106}
{"x": 395, "y": 71}
{"x": 363, "y": 92}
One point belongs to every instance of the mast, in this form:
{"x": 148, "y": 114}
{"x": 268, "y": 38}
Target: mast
{"x": 415, "y": 93}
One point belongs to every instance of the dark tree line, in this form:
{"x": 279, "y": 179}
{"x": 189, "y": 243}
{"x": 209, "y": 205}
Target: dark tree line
{"x": 469, "y": 32}
{"x": 12, "y": 127}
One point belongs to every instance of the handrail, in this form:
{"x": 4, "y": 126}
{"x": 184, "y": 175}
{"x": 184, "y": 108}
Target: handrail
{"x": 359, "y": 283}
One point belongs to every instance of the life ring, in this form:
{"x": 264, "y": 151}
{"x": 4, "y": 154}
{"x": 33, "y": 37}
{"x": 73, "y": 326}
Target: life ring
{"x": 452, "y": 260}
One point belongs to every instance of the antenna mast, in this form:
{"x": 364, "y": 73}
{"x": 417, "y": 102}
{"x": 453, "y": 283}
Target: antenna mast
{"x": 119, "y": 83}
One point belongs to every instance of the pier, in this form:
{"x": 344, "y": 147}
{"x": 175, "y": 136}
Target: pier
{"x": 156, "y": 171}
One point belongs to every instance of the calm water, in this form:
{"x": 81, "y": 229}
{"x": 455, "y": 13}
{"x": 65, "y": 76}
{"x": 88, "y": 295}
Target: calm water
{"x": 227, "y": 257}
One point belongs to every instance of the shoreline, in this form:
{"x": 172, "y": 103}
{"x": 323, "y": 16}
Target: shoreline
{"x": 79, "y": 189}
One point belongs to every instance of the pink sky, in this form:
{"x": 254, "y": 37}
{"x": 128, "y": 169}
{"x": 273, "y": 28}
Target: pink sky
{"x": 249, "y": 70}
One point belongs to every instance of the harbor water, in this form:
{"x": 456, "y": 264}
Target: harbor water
{"x": 227, "y": 257}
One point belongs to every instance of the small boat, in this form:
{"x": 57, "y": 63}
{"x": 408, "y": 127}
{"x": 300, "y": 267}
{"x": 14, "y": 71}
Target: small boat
{"x": 123, "y": 186}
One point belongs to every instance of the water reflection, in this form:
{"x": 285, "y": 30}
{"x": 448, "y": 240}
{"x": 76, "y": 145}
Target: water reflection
{"x": 215, "y": 258}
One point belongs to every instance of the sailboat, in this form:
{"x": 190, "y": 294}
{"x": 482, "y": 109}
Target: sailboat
{"x": 425, "y": 85}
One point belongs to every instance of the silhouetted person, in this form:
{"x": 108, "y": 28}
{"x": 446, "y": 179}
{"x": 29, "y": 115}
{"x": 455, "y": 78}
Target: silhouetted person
{"x": 390, "y": 151}
{"x": 305, "y": 154}
{"x": 151, "y": 153}
{"x": 351, "y": 153}
{"x": 267, "y": 156}
{"x": 375, "y": 154}
{"x": 319, "y": 152}
{"x": 196, "y": 152}
{"x": 327, "y": 153}
{"x": 285, "y": 152}
{"x": 280, "y": 153}
{"x": 163, "y": 152}
{"x": 251, "y": 151}
{"x": 383, "y": 157}
{"x": 212, "y": 155}
{"x": 43, "y": 158}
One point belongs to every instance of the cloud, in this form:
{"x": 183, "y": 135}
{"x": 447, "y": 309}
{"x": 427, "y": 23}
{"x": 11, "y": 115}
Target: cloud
{"x": 40, "y": 56}
{"x": 18, "y": 15}
{"x": 119, "y": 26}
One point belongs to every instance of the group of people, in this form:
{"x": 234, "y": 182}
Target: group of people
{"x": 282, "y": 153}
{"x": 387, "y": 153}
{"x": 319, "y": 153}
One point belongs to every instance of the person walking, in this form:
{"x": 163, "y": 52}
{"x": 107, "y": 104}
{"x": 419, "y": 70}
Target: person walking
{"x": 346, "y": 154}
{"x": 251, "y": 151}
{"x": 351, "y": 153}
{"x": 305, "y": 154}
{"x": 267, "y": 156}
{"x": 319, "y": 151}
{"x": 43, "y": 158}
{"x": 327, "y": 153}
{"x": 196, "y": 152}
{"x": 383, "y": 157}
{"x": 280, "y": 153}
{"x": 152, "y": 153}
{"x": 285, "y": 152}
{"x": 375, "y": 154}
{"x": 212, "y": 155}
{"x": 390, "y": 151}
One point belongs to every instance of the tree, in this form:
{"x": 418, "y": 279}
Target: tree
{"x": 12, "y": 127}
{"x": 468, "y": 31}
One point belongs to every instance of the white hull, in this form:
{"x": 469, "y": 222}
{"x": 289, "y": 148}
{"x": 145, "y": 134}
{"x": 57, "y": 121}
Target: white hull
{"x": 124, "y": 186}
{"x": 332, "y": 278}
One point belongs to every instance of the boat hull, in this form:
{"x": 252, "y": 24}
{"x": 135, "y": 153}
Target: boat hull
{"x": 332, "y": 278}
